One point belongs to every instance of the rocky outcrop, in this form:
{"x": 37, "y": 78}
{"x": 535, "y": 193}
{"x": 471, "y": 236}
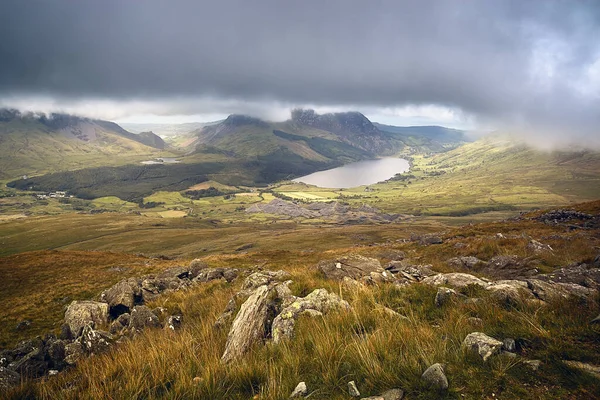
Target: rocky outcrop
{"x": 300, "y": 391}
{"x": 316, "y": 303}
{"x": 464, "y": 262}
{"x": 353, "y": 266}
{"x": 82, "y": 313}
{"x": 456, "y": 279}
{"x": 141, "y": 318}
{"x": 249, "y": 326}
{"x": 482, "y": 344}
{"x": 122, "y": 296}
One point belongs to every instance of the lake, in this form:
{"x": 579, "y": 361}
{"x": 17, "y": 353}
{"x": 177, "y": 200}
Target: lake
{"x": 357, "y": 174}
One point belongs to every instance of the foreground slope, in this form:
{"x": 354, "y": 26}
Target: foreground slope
{"x": 395, "y": 329}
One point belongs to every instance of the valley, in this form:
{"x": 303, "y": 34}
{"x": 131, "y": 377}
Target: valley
{"x": 70, "y": 230}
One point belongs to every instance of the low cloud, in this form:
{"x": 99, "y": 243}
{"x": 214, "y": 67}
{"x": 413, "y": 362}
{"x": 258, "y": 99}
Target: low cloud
{"x": 531, "y": 68}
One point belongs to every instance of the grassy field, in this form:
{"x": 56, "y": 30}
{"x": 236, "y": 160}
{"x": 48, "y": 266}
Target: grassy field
{"x": 377, "y": 350}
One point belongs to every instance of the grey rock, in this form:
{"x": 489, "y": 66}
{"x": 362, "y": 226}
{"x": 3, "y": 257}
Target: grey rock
{"x": 300, "y": 391}
{"x": 33, "y": 364}
{"x": 538, "y": 247}
{"x": 122, "y": 296}
{"x": 353, "y": 390}
{"x": 534, "y": 365}
{"x": 8, "y": 378}
{"x": 510, "y": 291}
{"x": 319, "y": 300}
{"x": 195, "y": 267}
{"x": 73, "y": 352}
{"x": 509, "y": 345}
{"x": 95, "y": 341}
{"x": 393, "y": 394}
{"x": 227, "y": 315}
{"x": 174, "y": 322}
{"x": 482, "y": 344}
{"x": 464, "y": 262}
{"x": 593, "y": 370}
{"x": 456, "y": 279}
{"x": 354, "y": 266}
{"x": 142, "y": 317}
{"x": 56, "y": 353}
{"x": 249, "y": 325}
{"x": 82, "y": 313}
{"x": 435, "y": 376}
{"x": 209, "y": 274}
{"x": 409, "y": 271}
{"x": 444, "y": 295}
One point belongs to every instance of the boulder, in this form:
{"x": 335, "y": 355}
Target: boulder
{"x": 178, "y": 272}
{"x": 482, "y": 344}
{"x": 209, "y": 274}
{"x": 249, "y": 326}
{"x": 538, "y": 247}
{"x": 593, "y": 370}
{"x": 95, "y": 341}
{"x": 444, "y": 295}
{"x": 8, "y": 378}
{"x": 456, "y": 279}
{"x": 464, "y": 262}
{"x": 33, "y": 364}
{"x": 582, "y": 274}
{"x": 300, "y": 391}
{"x": 316, "y": 303}
{"x": 393, "y": 394}
{"x": 509, "y": 345}
{"x": 56, "y": 354}
{"x": 548, "y": 291}
{"x": 534, "y": 365}
{"x": 510, "y": 291}
{"x": 82, "y": 313}
{"x": 435, "y": 376}
{"x": 122, "y": 296}
{"x": 353, "y": 390}
{"x": 409, "y": 271}
{"x": 142, "y": 317}
{"x": 195, "y": 267}
{"x": 354, "y": 266}
{"x": 174, "y": 322}
{"x": 73, "y": 352}
{"x": 257, "y": 279}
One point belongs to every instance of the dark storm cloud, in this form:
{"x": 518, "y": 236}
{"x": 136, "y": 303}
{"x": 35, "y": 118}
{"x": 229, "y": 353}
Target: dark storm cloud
{"x": 525, "y": 65}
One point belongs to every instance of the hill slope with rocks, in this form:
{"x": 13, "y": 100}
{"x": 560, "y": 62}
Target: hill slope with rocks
{"x": 506, "y": 309}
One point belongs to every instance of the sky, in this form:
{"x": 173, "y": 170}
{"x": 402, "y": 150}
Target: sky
{"x": 531, "y": 68}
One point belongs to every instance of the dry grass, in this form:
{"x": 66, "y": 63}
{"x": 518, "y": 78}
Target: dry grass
{"x": 377, "y": 350}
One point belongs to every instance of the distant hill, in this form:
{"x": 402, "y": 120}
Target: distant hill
{"x": 446, "y": 137}
{"x": 34, "y": 144}
{"x": 166, "y": 130}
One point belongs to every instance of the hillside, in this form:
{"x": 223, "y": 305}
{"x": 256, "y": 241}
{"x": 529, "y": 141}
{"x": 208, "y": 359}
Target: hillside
{"x": 32, "y": 144}
{"x": 506, "y": 308}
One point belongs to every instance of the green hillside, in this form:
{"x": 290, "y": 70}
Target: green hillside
{"x": 33, "y": 145}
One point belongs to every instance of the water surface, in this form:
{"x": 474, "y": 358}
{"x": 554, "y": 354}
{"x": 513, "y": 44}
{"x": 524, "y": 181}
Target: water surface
{"x": 357, "y": 174}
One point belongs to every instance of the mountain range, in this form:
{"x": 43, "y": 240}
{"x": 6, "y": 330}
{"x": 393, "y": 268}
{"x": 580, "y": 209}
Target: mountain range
{"x": 35, "y": 143}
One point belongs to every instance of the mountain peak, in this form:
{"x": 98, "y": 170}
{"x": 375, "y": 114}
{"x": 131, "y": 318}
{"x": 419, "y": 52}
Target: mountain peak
{"x": 239, "y": 120}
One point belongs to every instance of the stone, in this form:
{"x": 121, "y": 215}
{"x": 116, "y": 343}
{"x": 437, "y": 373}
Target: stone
{"x": 122, "y": 296}
{"x": 456, "y": 279}
{"x": 174, "y": 322}
{"x": 482, "y": 344}
{"x": 354, "y": 266}
{"x": 409, "y": 271}
{"x": 73, "y": 352}
{"x": 209, "y": 274}
{"x": 444, "y": 295}
{"x": 81, "y": 313}
{"x": 509, "y": 345}
{"x": 510, "y": 292}
{"x": 249, "y": 325}
{"x": 538, "y": 247}
{"x": 178, "y": 272}
{"x": 229, "y": 274}
{"x": 95, "y": 341}
{"x": 534, "y": 365}
{"x": 257, "y": 279}
{"x": 593, "y": 370}
{"x": 393, "y": 394}
{"x": 319, "y": 300}
{"x": 195, "y": 267}
{"x": 142, "y": 317}
{"x": 353, "y": 390}
{"x": 300, "y": 391}
{"x": 56, "y": 354}
{"x": 33, "y": 364}
{"x": 464, "y": 262}
{"x": 435, "y": 376}
{"x": 8, "y": 378}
